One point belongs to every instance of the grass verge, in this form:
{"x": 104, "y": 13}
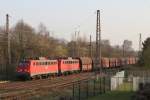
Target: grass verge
{"x": 115, "y": 95}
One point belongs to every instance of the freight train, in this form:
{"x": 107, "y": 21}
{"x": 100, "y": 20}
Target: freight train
{"x": 44, "y": 67}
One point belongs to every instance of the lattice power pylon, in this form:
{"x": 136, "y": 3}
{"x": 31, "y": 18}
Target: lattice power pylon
{"x": 98, "y": 42}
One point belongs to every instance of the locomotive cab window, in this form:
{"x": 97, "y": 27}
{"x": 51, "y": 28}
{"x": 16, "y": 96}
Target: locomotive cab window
{"x": 24, "y": 63}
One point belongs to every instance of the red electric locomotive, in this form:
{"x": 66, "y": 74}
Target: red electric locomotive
{"x": 68, "y": 65}
{"x": 37, "y": 68}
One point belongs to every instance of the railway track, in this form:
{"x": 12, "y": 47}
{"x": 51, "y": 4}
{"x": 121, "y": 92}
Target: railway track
{"x": 19, "y": 90}
{"x": 35, "y": 83}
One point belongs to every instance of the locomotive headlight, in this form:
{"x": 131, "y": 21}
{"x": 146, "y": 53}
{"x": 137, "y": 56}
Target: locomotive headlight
{"x": 26, "y": 70}
{"x": 20, "y": 70}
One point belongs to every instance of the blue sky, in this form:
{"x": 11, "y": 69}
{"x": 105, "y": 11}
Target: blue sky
{"x": 120, "y": 19}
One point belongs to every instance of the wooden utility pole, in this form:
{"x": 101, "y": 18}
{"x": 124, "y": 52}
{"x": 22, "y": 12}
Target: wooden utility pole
{"x": 74, "y": 45}
{"x": 8, "y": 35}
{"x": 90, "y": 47}
{"x": 78, "y": 44}
{"x": 123, "y": 50}
{"x": 140, "y": 44}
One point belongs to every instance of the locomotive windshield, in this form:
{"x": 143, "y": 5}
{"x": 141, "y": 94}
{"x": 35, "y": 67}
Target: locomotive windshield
{"x": 23, "y": 63}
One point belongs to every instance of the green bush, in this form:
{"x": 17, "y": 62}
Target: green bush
{"x": 145, "y": 54}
